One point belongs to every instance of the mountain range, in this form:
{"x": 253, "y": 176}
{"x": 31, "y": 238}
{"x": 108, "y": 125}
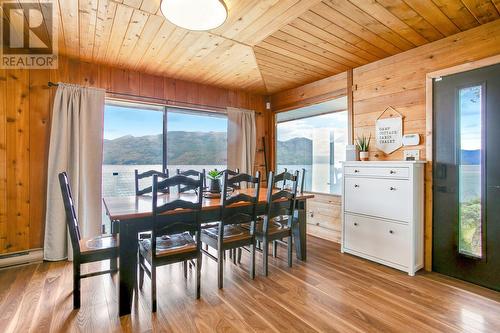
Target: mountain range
{"x": 192, "y": 148}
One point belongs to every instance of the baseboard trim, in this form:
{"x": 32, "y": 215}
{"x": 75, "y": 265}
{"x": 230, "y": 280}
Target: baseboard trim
{"x": 21, "y": 258}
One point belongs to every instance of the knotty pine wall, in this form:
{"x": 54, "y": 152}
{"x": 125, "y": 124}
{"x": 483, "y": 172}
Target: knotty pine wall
{"x": 25, "y": 109}
{"x": 400, "y": 81}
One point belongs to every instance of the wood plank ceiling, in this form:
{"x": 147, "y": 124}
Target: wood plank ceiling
{"x": 265, "y": 46}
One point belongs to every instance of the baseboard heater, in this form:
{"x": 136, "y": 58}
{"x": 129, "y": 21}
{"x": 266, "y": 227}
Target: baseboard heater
{"x": 21, "y": 258}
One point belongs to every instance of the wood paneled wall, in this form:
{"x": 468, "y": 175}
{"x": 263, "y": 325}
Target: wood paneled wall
{"x": 400, "y": 81}
{"x": 25, "y": 108}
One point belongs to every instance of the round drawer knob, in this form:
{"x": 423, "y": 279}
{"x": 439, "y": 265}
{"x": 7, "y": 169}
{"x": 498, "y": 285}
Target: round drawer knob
{"x": 356, "y": 185}
{"x": 355, "y": 224}
{"x": 392, "y": 172}
{"x": 391, "y": 232}
{"x": 356, "y": 171}
{"x": 392, "y": 188}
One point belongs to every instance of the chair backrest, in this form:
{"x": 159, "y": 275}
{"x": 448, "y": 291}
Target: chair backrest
{"x": 147, "y": 174}
{"x": 187, "y": 210}
{"x": 281, "y": 202}
{"x": 236, "y": 186}
{"x": 71, "y": 217}
{"x": 191, "y": 173}
{"x": 282, "y": 184}
{"x": 239, "y": 207}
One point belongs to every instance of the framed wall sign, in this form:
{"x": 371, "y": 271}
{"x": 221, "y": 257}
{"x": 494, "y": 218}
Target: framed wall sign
{"x": 389, "y": 131}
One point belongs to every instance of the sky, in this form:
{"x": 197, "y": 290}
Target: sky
{"x": 121, "y": 121}
{"x": 470, "y": 118}
{"x": 304, "y": 128}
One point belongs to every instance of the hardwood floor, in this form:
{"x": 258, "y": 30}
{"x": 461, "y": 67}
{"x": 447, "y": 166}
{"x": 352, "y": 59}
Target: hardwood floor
{"x": 331, "y": 292}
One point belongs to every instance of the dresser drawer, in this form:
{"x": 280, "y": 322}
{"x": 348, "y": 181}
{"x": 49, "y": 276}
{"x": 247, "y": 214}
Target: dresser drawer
{"x": 385, "y": 198}
{"x": 374, "y": 171}
{"x": 384, "y": 240}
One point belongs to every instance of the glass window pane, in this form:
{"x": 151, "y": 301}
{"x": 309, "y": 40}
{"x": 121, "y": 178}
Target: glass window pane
{"x": 133, "y": 139}
{"x": 196, "y": 140}
{"x": 316, "y": 144}
{"x": 470, "y": 234}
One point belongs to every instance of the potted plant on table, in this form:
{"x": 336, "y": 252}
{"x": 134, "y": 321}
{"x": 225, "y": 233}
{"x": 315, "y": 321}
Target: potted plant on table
{"x": 214, "y": 177}
{"x": 363, "y": 144}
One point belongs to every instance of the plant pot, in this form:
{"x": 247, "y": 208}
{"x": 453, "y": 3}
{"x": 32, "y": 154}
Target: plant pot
{"x": 214, "y": 186}
{"x": 364, "y": 155}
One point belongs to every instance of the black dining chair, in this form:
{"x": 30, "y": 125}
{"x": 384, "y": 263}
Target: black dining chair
{"x": 284, "y": 221}
{"x": 85, "y": 250}
{"x": 191, "y": 173}
{"x": 237, "y": 209}
{"x": 232, "y": 173}
{"x": 280, "y": 206}
{"x": 174, "y": 237}
{"x": 148, "y": 174}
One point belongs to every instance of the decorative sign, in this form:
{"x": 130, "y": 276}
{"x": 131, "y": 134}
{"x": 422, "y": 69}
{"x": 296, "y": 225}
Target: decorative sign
{"x": 389, "y": 132}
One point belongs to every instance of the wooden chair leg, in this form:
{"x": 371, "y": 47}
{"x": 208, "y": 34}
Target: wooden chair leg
{"x": 76, "y": 285}
{"x": 220, "y": 266}
{"x": 235, "y": 256}
{"x": 153, "y": 288}
{"x": 185, "y": 266}
{"x": 239, "y": 255}
{"x": 252, "y": 261}
{"x": 265, "y": 254}
{"x": 290, "y": 250}
{"x": 231, "y": 254}
{"x": 198, "y": 275}
{"x": 275, "y": 249}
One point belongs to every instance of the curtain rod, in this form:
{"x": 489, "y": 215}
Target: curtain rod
{"x": 167, "y": 102}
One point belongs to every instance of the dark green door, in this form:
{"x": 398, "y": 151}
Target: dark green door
{"x": 466, "y": 176}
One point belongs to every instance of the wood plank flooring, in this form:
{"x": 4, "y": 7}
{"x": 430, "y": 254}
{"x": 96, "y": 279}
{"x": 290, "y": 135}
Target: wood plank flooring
{"x": 331, "y": 292}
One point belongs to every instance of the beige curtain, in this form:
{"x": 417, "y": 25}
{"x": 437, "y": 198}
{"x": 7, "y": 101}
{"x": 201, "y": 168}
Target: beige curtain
{"x": 76, "y": 147}
{"x": 241, "y": 139}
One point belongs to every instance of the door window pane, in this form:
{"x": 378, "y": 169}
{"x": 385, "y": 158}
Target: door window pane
{"x": 316, "y": 144}
{"x": 470, "y": 198}
{"x": 196, "y": 140}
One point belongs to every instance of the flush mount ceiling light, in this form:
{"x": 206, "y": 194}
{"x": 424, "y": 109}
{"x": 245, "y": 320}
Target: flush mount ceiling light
{"x": 195, "y": 14}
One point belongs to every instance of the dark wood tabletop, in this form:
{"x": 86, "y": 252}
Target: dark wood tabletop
{"x": 131, "y": 207}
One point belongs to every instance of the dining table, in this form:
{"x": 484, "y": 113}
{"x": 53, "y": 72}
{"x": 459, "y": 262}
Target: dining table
{"x": 131, "y": 215}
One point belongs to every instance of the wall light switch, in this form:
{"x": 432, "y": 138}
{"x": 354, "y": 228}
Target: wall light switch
{"x": 412, "y": 155}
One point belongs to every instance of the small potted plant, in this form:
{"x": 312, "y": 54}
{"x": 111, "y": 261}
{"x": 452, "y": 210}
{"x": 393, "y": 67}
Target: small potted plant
{"x": 363, "y": 144}
{"x": 214, "y": 177}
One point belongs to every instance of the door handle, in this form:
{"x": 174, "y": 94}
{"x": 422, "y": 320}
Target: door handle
{"x": 494, "y": 187}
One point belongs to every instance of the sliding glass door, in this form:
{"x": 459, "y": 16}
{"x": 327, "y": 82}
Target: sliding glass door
{"x": 196, "y": 140}
{"x": 133, "y": 139}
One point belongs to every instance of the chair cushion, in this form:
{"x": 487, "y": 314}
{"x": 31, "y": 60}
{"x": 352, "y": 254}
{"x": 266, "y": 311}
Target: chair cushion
{"x": 168, "y": 245}
{"x": 98, "y": 244}
{"x": 231, "y": 233}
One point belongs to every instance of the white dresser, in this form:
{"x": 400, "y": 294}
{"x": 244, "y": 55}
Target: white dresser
{"x": 383, "y": 212}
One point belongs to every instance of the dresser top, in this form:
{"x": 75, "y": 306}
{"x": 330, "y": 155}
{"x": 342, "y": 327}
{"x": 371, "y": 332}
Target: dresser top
{"x": 381, "y": 163}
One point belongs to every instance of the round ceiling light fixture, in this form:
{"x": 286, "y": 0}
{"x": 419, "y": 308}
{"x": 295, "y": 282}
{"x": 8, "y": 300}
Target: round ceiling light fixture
{"x": 199, "y": 15}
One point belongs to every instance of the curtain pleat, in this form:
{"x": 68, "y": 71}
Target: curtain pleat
{"x": 241, "y": 139}
{"x": 75, "y": 147}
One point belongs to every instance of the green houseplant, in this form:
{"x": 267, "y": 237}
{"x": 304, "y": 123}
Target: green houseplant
{"x": 214, "y": 177}
{"x": 363, "y": 144}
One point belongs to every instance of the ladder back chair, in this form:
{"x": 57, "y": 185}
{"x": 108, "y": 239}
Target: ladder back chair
{"x": 85, "y": 250}
{"x": 232, "y": 173}
{"x": 147, "y": 174}
{"x": 280, "y": 206}
{"x": 279, "y": 221}
{"x": 238, "y": 209}
{"x": 174, "y": 237}
{"x": 191, "y": 173}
